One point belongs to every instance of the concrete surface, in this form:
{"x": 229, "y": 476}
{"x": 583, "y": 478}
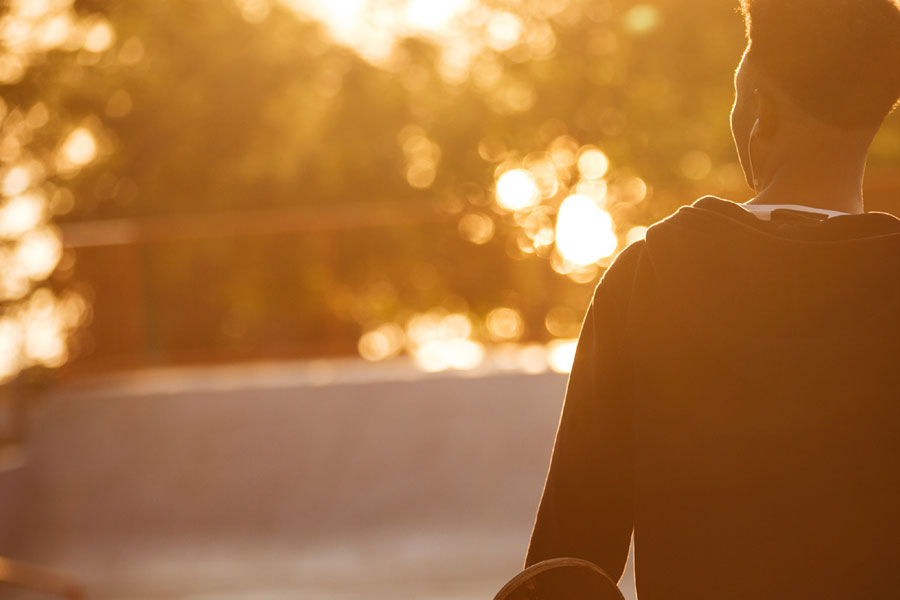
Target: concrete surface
{"x": 323, "y": 481}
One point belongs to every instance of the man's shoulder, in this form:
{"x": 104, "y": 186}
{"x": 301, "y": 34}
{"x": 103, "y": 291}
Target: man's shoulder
{"x": 626, "y": 261}
{"x": 685, "y": 228}
{"x": 619, "y": 276}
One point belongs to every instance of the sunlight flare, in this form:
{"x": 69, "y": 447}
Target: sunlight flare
{"x": 584, "y": 231}
{"x": 516, "y": 189}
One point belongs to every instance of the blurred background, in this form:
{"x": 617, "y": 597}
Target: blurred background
{"x": 289, "y": 288}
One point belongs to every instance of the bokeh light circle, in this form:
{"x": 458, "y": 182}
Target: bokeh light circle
{"x": 584, "y": 231}
{"x": 516, "y": 189}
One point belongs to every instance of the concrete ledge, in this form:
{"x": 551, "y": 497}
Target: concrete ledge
{"x": 429, "y": 483}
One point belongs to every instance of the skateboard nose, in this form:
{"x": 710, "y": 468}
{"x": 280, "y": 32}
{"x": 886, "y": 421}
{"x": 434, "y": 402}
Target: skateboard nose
{"x": 562, "y": 578}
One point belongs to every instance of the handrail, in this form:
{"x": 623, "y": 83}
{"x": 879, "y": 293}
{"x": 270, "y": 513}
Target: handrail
{"x": 280, "y": 221}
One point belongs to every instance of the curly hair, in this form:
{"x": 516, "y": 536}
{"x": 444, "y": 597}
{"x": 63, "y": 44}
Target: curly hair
{"x": 838, "y": 59}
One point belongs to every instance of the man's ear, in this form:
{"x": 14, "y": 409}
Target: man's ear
{"x": 766, "y": 115}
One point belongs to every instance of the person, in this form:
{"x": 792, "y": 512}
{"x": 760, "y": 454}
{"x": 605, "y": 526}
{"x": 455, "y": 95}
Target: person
{"x": 734, "y": 403}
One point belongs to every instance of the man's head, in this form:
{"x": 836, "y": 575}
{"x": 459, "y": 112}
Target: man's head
{"x": 816, "y": 66}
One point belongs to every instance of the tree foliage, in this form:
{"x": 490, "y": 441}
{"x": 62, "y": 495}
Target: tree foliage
{"x": 348, "y": 176}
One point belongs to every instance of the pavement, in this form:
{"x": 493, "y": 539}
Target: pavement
{"x": 318, "y": 480}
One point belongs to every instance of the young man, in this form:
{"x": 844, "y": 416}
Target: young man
{"x": 735, "y": 398}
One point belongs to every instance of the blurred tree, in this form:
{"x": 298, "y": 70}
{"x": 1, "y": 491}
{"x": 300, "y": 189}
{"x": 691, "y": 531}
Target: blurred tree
{"x": 45, "y": 48}
{"x": 365, "y": 146}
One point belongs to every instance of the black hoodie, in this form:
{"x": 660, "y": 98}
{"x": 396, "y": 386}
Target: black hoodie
{"x": 735, "y": 402}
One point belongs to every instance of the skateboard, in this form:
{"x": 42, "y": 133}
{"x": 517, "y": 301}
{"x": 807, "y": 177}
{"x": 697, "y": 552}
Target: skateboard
{"x": 561, "y": 579}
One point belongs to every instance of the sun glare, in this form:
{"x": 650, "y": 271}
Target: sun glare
{"x": 78, "y": 149}
{"x": 516, "y": 189}
{"x": 16, "y": 181}
{"x": 38, "y": 252}
{"x": 504, "y": 30}
{"x": 439, "y": 342}
{"x": 465, "y": 31}
{"x": 642, "y": 18}
{"x": 383, "y": 342}
{"x": 10, "y": 347}
{"x": 584, "y": 231}
{"x": 505, "y": 324}
{"x": 428, "y": 15}
{"x": 592, "y": 163}
{"x": 476, "y": 228}
{"x": 99, "y": 37}
{"x": 561, "y": 355}
{"x": 20, "y": 215}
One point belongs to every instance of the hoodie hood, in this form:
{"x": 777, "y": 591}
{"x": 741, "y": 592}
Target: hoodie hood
{"x": 721, "y": 267}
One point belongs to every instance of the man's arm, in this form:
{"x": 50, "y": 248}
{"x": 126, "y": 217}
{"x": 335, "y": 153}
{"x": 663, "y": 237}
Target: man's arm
{"x": 586, "y": 509}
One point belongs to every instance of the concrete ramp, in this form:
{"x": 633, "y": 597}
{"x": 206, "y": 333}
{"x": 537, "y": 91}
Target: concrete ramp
{"x": 223, "y": 483}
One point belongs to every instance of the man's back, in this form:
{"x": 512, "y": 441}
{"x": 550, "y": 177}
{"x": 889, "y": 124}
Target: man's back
{"x": 735, "y": 400}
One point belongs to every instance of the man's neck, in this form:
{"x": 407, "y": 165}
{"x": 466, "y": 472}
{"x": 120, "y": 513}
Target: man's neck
{"x": 837, "y": 196}
{"x": 826, "y": 182}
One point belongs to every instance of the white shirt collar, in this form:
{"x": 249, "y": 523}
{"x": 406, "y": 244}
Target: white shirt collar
{"x": 764, "y": 211}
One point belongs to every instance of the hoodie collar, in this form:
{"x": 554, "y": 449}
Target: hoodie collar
{"x": 841, "y": 227}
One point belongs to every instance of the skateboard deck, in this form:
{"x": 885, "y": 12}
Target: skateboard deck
{"x": 561, "y": 579}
